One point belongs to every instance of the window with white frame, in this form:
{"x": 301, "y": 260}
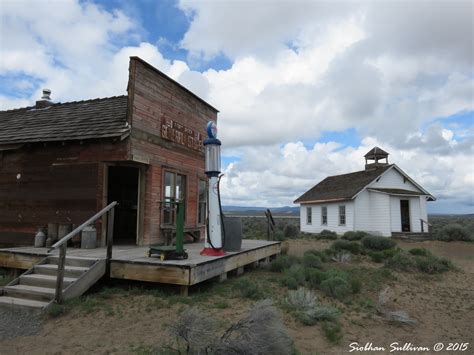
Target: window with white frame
{"x": 342, "y": 215}
{"x": 324, "y": 216}
{"x": 309, "y": 216}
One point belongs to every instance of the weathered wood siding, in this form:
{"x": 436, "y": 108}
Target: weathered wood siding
{"x": 153, "y": 97}
{"x": 51, "y": 184}
{"x": 380, "y": 218}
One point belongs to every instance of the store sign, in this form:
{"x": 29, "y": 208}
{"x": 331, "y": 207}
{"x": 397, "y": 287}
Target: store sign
{"x": 177, "y": 133}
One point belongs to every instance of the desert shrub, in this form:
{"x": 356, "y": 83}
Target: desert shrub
{"x": 196, "y": 330}
{"x": 251, "y": 334}
{"x": 388, "y": 253}
{"x": 294, "y": 277}
{"x": 56, "y": 310}
{"x": 378, "y": 243}
{"x": 433, "y": 265}
{"x": 343, "y": 244}
{"x": 321, "y": 254}
{"x": 327, "y": 234}
{"x": 291, "y": 231}
{"x": 279, "y": 236}
{"x": 400, "y": 261}
{"x": 305, "y": 306}
{"x": 377, "y": 256}
{"x": 452, "y": 232}
{"x": 336, "y": 286}
{"x": 419, "y": 251}
{"x": 332, "y": 331}
{"x": 248, "y": 289}
{"x": 356, "y": 284}
{"x": 312, "y": 261}
{"x": 314, "y": 277}
{"x": 352, "y": 236}
{"x": 283, "y": 262}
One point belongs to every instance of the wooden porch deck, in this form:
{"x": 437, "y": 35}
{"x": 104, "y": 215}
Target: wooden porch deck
{"x": 132, "y": 262}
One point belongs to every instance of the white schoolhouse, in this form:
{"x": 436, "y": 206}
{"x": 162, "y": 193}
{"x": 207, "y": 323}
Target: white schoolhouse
{"x": 382, "y": 199}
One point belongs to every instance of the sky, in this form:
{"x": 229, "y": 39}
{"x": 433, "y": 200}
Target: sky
{"x": 304, "y": 88}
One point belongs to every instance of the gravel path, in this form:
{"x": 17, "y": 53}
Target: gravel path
{"x": 16, "y": 322}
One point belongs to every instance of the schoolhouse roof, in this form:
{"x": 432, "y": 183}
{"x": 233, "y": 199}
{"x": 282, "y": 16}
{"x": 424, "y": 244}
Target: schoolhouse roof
{"x": 341, "y": 187}
{"x": 78, "y": 120}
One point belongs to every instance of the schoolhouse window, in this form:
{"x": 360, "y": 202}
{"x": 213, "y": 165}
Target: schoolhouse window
{"x": 309, "y": 216}
{"x": 342, "y": 215}
{"x": 324, "y": 215}
{"x": 202, "y": 202}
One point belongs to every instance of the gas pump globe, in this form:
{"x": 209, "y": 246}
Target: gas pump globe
{"x": 213, "y": 245}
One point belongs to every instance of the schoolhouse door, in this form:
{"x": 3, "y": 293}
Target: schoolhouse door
{"x": 405, "y": 215}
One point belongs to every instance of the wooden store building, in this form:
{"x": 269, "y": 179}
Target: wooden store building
{"x": 62, "y": 162}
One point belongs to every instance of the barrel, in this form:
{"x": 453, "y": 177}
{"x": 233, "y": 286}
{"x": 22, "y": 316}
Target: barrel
{"x": 233, "y": 233}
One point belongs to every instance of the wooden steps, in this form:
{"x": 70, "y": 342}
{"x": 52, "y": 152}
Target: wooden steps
{"x": 36, "y": 287}
{"x": 412, "y": 236}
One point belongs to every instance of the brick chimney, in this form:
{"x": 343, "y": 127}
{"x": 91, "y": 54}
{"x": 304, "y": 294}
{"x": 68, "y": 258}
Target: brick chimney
{"x": 45, "y": 99}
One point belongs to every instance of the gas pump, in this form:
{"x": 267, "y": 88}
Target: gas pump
{"x": 213, "y": 245}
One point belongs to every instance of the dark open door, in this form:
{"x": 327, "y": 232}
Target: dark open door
{"x": 123, "y": 188}
{"x": 405, "y": 214}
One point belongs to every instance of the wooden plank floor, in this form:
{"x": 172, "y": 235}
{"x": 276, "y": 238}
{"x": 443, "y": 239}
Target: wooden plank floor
{"x": 132, "y": 262}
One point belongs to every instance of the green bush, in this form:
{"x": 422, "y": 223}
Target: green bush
{"x": 283, "y": 262}
{"x": 312, "y": 261}
{"x": 400, "y": 261}
{"x": 388, "y": 253}
{"x": 294, "y": 277}
{"x": 327, "y": 234}
{"x": 452, "y": 232}
{"x": 314, "y": 277}
{"x": 420, "y": 252}
{"x": 332, "y": 331}
{"x": 291, "y": 231}
{"x": 317, "y": 314}
{"x": 378, "y": 243}
{"x": 356, "y": 285}
{"x": 249, "y": 289}
{"x": 432, "y": 265}
{"x": 352, "y": 236}
{"x": 336, "y": 286}
{"x": 342, "y": 244}
{"x": 377, "y": 256}
{"x": 321, "y": 254}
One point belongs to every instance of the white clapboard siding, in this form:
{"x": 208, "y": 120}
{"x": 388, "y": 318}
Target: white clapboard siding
{"x": 380, "y": 214}
{"x": 392, "y": 179}
{"x": 395, "y": 213}
{"x": 362, "y": 212}
{"x": 424, "y": 212}
{"x": 333, "y": 218}
{"x": 415, "y": 215}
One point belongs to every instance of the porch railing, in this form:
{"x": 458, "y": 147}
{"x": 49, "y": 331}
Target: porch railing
{"x": 423, "y": 222}
{"x": 62, "y": 245}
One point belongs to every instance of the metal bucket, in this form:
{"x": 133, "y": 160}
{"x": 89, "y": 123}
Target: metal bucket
{"x": 89, "y": 238}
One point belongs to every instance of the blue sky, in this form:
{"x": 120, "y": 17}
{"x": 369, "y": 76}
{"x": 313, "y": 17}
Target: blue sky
{"x": 304, "y": 91}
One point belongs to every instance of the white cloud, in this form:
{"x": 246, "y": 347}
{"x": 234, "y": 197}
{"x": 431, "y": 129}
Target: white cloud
{"x": 298, "y": 69}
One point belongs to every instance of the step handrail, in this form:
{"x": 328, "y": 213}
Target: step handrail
{"x": 426, "y": 222}
{"x": 79, "y": 229}
{"x": 62, "y": 245}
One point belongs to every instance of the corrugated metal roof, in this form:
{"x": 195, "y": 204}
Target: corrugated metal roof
{"x": 96, "y": 118}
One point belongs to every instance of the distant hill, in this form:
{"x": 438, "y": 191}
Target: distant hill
{"x": 259, "y": 211}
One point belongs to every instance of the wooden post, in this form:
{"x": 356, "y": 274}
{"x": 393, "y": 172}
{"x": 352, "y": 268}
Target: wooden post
{"x": 184, "y": 291}
{"x": 110, "y": 239}
{"x": 60, "y": 278}
{"x": 222, "y": 277}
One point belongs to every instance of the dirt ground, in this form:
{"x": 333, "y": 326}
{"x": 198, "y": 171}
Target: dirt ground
{"x": 137, "y": 322}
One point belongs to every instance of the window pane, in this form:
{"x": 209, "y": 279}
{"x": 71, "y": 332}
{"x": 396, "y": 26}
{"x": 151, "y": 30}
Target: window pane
{"x": 308, "y": 215}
